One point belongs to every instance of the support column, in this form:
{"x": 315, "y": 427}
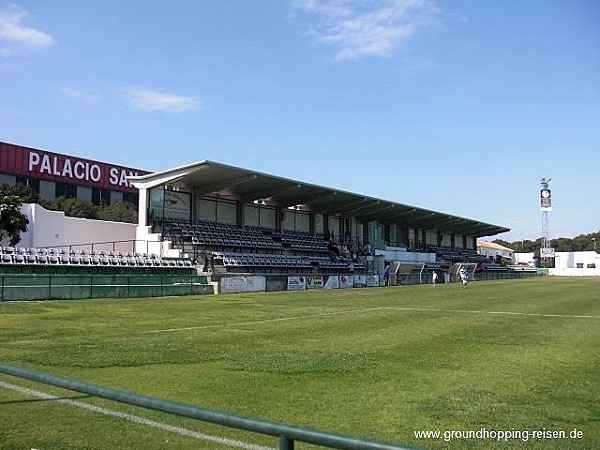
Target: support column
{"x": 143, "y": 207}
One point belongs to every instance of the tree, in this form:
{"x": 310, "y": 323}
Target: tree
{"x": 12, "y": 220}
{"x": 27, "y": 194}
{"x": 583, "y": 242}
{"x": 72, "y": 207}
{"x": 562, "y": 244}
{"x": 119, "y": 212}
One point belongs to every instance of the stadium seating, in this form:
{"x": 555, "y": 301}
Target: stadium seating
{"x": 38, "y": 259}
{"x": 451, "y": 256}
{"x": 219, "y": 236}
{"x": 270, "y": 263}
{"x": 491, "y": 267}
{"x": 254, "y": 249}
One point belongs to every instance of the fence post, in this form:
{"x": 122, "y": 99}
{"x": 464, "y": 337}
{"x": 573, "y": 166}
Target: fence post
{"x": 285, "y": 443}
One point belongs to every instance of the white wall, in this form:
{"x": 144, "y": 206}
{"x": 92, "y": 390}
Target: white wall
{"x": 151, "y": 243}
{"x": 524, "y": 258}
{"x": 400, "y": 254}
{"x": 571, "y": 260}
{"x": 45, "y": 229}
{"x": 52, "y": 228}
{"x": 566, "y": 272}
{"x": 78, "y": 230}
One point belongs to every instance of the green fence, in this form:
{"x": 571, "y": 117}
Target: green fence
{"x": 66, "y": 287}
{"x": 287, "y": 434}
{"x": 510, "y": 275}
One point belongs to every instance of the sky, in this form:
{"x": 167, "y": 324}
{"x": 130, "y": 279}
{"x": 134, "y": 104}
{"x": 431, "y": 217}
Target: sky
{"x": 454, "y": 106}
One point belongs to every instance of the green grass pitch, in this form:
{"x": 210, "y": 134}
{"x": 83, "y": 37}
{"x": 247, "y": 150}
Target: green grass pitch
{"x": 380, "y": 363}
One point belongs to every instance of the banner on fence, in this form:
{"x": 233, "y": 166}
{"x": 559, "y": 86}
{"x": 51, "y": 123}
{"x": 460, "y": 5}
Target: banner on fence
{"x": 333, "y": 282}
{"x": 360, "y": 280}
{"x": 243, "y": 284}
{"x": 314, "y": 282}
{"x": 296, "y": 283}
{"x": 372, "y": 280}
{"x": 346, "y": 281}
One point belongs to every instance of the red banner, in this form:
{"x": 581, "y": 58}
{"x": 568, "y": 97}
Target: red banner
{"x": 29, "y": 162}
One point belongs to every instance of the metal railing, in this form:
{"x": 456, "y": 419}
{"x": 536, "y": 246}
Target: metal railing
{"x": 127, "y": 245}
{"x": 287, "y": 434}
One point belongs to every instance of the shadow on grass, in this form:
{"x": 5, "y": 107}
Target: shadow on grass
{"x": 36, "y": 400}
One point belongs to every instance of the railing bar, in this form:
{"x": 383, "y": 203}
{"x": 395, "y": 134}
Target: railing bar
{"x": 289, "y": 432}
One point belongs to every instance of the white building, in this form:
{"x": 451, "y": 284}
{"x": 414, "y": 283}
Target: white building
{"x": 525, "y": 258}
{"x": 492, "y": 250}
{"x": 576, "y": 260}
{"x": 568, "y": 263}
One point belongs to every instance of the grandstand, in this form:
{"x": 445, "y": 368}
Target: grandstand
{"x": 238, "y": 222}
{"x": 219, "y": 221}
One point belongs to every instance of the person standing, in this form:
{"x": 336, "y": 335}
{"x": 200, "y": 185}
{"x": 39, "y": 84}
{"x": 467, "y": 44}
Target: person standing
{"x": 386, "y": 275}
{"x": 434, "y": 278}
{"x": 464, "y": 277}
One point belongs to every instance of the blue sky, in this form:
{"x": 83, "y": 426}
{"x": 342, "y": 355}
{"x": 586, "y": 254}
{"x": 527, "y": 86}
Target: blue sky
{"x": 456, "y": 106}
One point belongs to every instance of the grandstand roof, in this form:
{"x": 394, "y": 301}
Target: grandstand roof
{"x": 209, "y": 178}
{"x": 493, "y": 246}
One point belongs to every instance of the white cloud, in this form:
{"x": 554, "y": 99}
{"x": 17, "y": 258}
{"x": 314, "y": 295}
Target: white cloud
{"x": 13, "y": 32}
{"x": 359, "y": 28}
{"x": 148, "y": 100}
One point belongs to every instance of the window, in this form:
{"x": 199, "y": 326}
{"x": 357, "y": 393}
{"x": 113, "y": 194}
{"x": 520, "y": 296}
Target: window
{"x": 65, "y": 190}
{"x": 100, "y": 196}
{"x": 32, "y": 183}
{"x": 131, "y": 198}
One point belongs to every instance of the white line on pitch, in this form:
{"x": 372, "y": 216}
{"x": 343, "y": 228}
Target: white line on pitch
{"x": 508, "y": 313}
{"x": 137, "y": 419}
{"x": 257, "y": 322}
{"x": 379, "y": 308}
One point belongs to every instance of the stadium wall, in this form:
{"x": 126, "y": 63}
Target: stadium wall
{"x": 228, "y": 284}
{"x": 403, "y": 255}
{"x": 569, "y": 272}
{"x": 38, "y": 285}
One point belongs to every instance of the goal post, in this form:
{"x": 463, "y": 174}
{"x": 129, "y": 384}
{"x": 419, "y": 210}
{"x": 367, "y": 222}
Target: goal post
{"x": 469, "y": 267}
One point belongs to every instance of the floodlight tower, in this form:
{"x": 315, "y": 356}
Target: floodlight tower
{"x": 545, "y": 206}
